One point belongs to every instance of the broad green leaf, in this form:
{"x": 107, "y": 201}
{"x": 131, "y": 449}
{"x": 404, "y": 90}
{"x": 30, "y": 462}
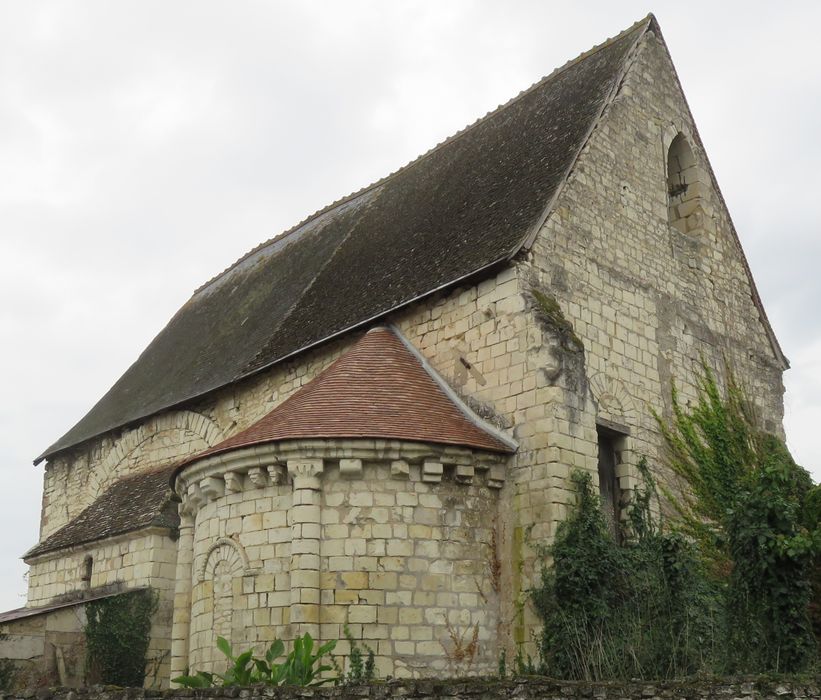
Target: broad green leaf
{"x": 225, "y": 647}
{"x": 275, "y": 651}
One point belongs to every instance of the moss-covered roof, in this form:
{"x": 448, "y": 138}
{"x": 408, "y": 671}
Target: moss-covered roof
{"x": 132, "y": 503}
{"x": 462, "y": 208}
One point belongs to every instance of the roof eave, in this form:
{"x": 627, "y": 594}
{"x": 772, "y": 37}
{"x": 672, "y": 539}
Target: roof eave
{"x": 485, "y": 269}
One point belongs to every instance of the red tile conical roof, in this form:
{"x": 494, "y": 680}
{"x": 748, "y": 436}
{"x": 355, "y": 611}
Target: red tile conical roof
{"x": 378, "y": 389}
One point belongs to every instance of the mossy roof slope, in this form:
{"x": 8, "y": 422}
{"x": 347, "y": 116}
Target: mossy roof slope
{"x": 132, "y": 503}
{"x": 468, "y": 204}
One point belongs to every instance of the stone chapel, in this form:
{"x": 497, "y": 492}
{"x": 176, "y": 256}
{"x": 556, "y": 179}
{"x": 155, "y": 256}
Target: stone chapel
{"x": 366, "y": 419}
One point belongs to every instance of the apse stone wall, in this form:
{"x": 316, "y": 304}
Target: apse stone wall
{"x": 403, "y": 554}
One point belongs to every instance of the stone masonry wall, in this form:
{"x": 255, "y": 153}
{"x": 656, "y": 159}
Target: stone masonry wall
{"x": 479, "y": 327}
{"x": 445, "y": 327}
{"x": 643, "y": 299}
{"x": 438, "y": 325}
{"x": 475, "y": 689}
{"x": 405, "y": 559}
{"x": 131, "y": 561}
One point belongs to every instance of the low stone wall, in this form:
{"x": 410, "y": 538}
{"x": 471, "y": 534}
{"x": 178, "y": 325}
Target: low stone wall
{"x": 471, "y": 688}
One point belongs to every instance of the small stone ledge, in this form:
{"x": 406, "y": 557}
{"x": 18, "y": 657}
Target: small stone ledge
{"x": 470, "y": 689}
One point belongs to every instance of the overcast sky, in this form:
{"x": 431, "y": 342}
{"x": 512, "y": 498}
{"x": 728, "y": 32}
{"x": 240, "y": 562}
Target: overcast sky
{"x": 144, "y": 146}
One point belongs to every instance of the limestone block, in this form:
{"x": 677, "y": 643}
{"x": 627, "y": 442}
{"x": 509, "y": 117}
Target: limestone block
{"x": 350, "y": 468}
{"x": 400, "y": 469}
{"x": 432, "y": 471}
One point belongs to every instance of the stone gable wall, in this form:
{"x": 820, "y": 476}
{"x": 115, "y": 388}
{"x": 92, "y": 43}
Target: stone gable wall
{"x": 645, "y": 302}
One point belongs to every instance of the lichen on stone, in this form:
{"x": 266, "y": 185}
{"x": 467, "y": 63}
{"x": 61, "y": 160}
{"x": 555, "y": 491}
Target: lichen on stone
{"x": 549, "y": 312}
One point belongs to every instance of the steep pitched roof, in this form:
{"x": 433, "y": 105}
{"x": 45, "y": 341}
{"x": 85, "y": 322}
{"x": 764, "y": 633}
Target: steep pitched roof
{"x": 465, "y": 206}
{"x": 380, "y": 388}
{"x": 129, "y": 504}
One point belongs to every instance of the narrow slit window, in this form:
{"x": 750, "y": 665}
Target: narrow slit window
{"x": 609, "y": 451}
{"x": 88, "y": 569}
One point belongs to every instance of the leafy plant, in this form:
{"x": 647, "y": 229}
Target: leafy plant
{"x": 360, "y": 668}
{"x": 7, "y": 672}
{"x": 117, "y": 633}
{"x": 754, "y": 514}
{"x": 301, "y": 667}
{"x": 644, "y": 609}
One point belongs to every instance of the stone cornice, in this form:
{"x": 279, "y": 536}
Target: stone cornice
{"x": 267, "y": 464}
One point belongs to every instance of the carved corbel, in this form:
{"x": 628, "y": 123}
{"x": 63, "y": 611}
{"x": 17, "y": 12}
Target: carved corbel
{"x": 212, "y": 488}
{"x": 258, "y": 477}
{"x": 277, "y": 474}
{"x": 400, "y": 469}
{"x": 464, "y": 473}
{"x": 432, "y": 471}
{"x": 195, "y": 499}
{"x": 496, "y": 476}
{"x": 351, "y": 468}
{"x": 305, "y": 473}
{"x": 233, "y": 482}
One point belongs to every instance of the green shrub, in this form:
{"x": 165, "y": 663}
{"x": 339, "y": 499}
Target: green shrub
{"x": 301, "y": 667}
{"x": 770, "y": 585}
{"x": 7, "y": 673}
{"x": 755, "y": 514}
{"x": 645, "y": 609}
{"x": 117, "y": 634}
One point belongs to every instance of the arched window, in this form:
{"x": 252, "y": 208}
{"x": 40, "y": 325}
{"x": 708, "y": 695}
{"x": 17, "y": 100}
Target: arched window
{"x": 88, "y": 569}
{"x": 686, "y": 187}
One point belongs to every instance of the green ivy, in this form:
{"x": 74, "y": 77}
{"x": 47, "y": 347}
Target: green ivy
{"x": 117, "y": 634}
{"x": 755, "y": 514}
{"x": 645, "y": 609}
{"x": 7, "y": 671}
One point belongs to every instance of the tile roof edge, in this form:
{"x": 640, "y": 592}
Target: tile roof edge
{"x": 24, "y": 612}
{"x": 457, "y": 400}
{"x": 648, "y": 20}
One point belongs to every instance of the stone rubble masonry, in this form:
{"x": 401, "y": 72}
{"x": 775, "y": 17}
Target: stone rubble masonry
{"x": 470, "y": 689}
{"x": 405, "y": 544}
